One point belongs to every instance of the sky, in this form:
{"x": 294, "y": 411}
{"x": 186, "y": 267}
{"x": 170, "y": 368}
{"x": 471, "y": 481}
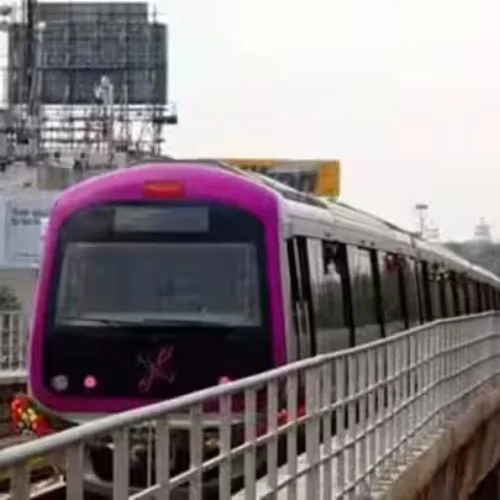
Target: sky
{"x": 406, "y": 94}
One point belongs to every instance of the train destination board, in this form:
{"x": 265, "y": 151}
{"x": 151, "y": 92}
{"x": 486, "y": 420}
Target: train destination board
{"x": 161, "y": 219}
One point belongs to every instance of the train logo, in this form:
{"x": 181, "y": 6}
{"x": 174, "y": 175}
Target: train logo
{"x": 158, "y": 369}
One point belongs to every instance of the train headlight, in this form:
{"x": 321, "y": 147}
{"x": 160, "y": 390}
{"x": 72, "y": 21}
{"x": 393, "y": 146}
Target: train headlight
{"x": 59, "y": 383}
{"x": 90, "y": 382}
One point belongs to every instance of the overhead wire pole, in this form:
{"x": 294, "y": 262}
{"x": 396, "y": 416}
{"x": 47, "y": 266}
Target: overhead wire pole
{"x": 29, "y": 46}
{"x": 421, "y": 209}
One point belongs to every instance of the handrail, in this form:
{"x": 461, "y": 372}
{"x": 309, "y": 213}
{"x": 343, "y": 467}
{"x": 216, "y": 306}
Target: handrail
{"x": 391, "y": 390}
{"x": 107, "y": 424}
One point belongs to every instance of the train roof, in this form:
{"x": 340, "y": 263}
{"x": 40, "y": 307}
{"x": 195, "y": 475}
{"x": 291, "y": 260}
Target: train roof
{"x": 363, "y": 227}
{"x": 349, "y": 223}
{"x": 373, "y": 231}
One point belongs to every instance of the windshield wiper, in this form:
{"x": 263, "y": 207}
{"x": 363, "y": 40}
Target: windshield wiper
{"x": 96, "y": 322}
{"x": 147, "y": 321}
{"x": 183, "y": 322}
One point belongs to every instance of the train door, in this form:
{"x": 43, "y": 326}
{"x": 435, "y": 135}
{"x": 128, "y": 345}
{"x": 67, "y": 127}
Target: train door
{"x": 301, "y": 297}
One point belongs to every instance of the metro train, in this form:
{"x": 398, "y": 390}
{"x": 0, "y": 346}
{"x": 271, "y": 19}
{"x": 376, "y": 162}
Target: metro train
{"x": 164, "y": 278}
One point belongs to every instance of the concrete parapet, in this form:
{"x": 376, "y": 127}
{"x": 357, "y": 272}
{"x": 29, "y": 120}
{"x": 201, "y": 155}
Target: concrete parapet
{"x": 451, "y": 463}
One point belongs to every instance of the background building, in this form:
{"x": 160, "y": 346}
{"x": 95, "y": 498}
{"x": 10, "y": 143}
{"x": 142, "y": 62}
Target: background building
{"x": 482, "y": 232}
{"x": 88, "y": 78}
{"x": 81, "y": 42}
{"x": 84, "y": 88}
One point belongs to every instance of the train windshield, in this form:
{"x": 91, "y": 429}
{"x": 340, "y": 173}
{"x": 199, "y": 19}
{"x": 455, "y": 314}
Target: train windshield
{"x": 170, "y": 283}
{"x": 161, "y": 264}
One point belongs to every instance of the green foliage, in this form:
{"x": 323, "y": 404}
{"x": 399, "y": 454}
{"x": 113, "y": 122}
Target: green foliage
{"x": 486, "y": 255}
{"x": 8, "y": 300}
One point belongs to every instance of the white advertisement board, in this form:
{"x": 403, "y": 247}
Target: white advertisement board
{"x": 22, "y": 230}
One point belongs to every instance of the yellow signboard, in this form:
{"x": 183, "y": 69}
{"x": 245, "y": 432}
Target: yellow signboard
{"x": 319, "y": 177}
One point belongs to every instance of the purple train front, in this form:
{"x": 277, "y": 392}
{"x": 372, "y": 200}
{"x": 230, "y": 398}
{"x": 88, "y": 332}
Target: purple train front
{"x": 156, "y": 281}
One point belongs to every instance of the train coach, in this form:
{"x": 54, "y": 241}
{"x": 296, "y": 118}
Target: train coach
{"x": 165, "y": 278}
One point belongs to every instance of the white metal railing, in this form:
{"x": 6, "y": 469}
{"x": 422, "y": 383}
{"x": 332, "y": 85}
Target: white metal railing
{"x": 363, "y": 407}
{"x": 13, "y": 342}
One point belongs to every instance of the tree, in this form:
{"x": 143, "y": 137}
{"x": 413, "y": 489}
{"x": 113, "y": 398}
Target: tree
{"x": 8, "y": 300}
{"x": 486, "y": 255}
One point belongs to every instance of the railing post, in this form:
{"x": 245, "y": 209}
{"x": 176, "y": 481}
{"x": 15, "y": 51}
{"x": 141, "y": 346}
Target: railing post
{"x": 326, "y": 403}
{"x": 387, "y": 395}
{"x": 361, "y": 391}
{"x": 291, "y": 438}
{"x": 250, "y": 436}
{"x": 162, "y": 453}
{"x": 120, "y": 464}
{"x": 372, "y": 411}
{"x": 381, "y": 369}
{"x": 272, "y": 429}
{"x": 74, "y": 472}
{"x": 312, "y": 432}
{"x": 340, "y": 379}
{"x": 351, "y": 421}
{"x": 225, "y": 447}
{"x": 195, "y": 451}
{"x": 20, "y": 486}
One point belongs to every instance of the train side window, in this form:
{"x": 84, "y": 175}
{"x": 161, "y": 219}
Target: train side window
{"x": 419, "y": 277}
{"x": 434, "y": 286}
{"x": 460, "y": 294}
{"x": 305, "y": 283}
{"x": 295, "y": 295}
{"x": 426, "y": 290}
{"x": 486, "y": 293}
{"x": 326, "y": 284}
{"x": 455, "y": 300}
{"x": 465, "y": 286}
{"x": 482, "y": 294}
{"x": 300, "y": 288}
{"x": 445, "y": 300}
{"x": 473, "y": 299}
{"x": 479, "y": 296}
{"x": 367, "y": 326}
{"x": 485, "y": 297}
{"x": 412, "y": 294}
{"x": 448, "y": 294}
{"x": 393, "y": 299}
{"x": 493, "y": 294}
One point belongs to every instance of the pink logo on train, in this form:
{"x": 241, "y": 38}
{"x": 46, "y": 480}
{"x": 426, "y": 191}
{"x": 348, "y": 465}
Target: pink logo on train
{"x": 157, "y": 369}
